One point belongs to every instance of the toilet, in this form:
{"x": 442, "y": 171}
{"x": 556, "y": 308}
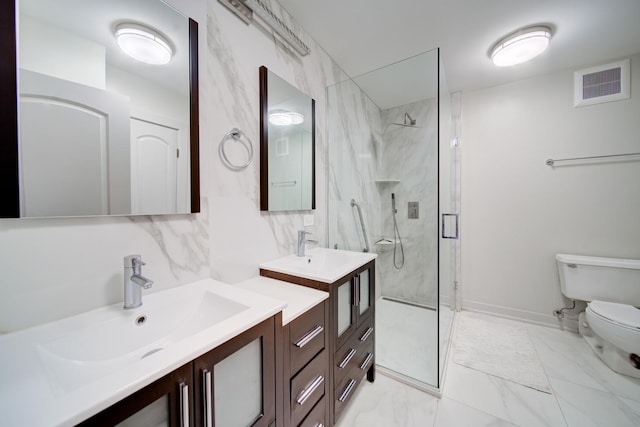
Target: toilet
{"x": 611, "y": 322}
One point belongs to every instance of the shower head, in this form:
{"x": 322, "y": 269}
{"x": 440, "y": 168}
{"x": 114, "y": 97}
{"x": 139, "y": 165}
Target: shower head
{"x": 408, "y": 121}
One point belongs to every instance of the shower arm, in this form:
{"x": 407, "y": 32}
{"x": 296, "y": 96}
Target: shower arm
{"x": 364, "y": 233}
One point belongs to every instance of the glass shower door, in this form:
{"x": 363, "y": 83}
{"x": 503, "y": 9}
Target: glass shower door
{"x": 385, "y": 138}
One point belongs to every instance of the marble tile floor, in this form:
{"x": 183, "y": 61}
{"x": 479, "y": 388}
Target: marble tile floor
{"x": 585, "y": 393}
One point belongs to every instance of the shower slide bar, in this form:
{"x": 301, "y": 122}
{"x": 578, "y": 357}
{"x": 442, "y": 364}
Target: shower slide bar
{"x": 551, "y": 162}
{"x": 364, "y": 233}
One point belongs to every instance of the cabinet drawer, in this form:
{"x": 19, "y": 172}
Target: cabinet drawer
{"x": 345, "y": 389}
{"x": 316, "y": 417}
{"x": 308, "y": 387}
{"x": 354, "y": 352}
{"x": 307, "y": 337}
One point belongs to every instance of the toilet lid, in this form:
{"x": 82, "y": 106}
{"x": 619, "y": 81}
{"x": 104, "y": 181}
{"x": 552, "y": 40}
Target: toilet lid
{"x": 623, "y": 314}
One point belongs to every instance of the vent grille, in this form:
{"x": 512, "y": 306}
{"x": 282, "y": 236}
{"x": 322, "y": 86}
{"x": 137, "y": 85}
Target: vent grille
{"x": 602, "y": 83}
{"x": 605, "y": 83}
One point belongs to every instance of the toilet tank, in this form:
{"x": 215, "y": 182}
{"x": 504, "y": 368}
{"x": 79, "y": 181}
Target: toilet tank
{"x": 589, "y": 278}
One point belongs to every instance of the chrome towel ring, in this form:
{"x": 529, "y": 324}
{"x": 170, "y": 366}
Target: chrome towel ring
{"x": 237, "y": 135}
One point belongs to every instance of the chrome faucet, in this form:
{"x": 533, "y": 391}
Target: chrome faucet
{"x": 134, "y": 281}
{"x": 302, "y": 241}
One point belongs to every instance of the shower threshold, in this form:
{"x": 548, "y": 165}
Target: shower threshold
{"x": 413, "y": 304}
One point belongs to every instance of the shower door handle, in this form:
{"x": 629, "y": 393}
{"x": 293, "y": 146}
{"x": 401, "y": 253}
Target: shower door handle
{"x": 446, "y": 220}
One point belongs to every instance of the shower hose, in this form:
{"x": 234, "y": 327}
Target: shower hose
{"x": 396, "y": 238}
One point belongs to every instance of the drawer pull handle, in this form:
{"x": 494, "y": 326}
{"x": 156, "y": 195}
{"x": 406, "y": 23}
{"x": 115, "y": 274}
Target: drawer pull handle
{"x": 346, "y": 391}
{"x": 208, "y": 413}
{"x": 309, "y": 336}
{"x": 366, "y": 334}
{"x": 319, "y": 425}
{"x": 366, "y": 361}
{"x": 346, "y": 360}
{"x": 309, "y": 389}
{"x": 184, "y": 405}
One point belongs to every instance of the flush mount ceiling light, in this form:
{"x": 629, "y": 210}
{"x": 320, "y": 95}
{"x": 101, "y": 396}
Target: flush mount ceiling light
{"x": 143, "y": 44}
{"x": 521, "y": 46}
{"x": 285, "y": 118}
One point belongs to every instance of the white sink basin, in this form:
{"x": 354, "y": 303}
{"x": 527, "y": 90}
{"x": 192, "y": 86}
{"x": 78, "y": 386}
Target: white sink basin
{"x": 321, "y": 264}
{"x": 77, "y": 366}
{"x": 99, "y": 342}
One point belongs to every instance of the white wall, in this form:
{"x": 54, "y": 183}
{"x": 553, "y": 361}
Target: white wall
{"x": 52, "y": 268}
{"x": 518, "y": 213}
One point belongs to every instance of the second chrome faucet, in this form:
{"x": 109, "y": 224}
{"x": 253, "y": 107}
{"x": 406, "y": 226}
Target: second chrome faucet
{"x": 134, "y": 281}
{"x": 302, "y": 241}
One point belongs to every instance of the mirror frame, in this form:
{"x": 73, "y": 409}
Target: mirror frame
{"x": 264, "y": 146}
{"x": 9, "y": 149}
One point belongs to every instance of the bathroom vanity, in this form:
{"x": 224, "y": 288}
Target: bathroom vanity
{"x": 349, "y": 279}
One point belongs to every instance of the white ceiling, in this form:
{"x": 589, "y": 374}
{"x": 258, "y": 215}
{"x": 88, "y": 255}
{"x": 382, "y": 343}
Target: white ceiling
{"x": 363, "y": 35}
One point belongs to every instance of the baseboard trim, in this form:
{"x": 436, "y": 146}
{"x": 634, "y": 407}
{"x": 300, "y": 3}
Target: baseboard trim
{"x": 521, "y": 315}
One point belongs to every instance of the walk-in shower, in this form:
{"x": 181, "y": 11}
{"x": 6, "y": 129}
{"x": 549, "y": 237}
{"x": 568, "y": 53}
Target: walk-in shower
{"x": 388, "y": 149}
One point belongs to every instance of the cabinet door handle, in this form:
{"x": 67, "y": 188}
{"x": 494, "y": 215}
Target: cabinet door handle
{"x": 184, "y": 405}
{"x": 309, "y": 336}
{"x": 206, "y": 384}
{"x": 309, "y": 389}
{"x": 366, "y": 334}
{"x": 366, "y": 361}
{"x": 357, "y": 303}
{"x": 346, "y": 360}
{"x": 346, "y": 391}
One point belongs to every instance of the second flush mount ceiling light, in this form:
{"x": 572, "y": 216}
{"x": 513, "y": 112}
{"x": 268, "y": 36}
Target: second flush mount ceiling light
{"x": 143, "y": 44}
{"x": 521, "y": 46}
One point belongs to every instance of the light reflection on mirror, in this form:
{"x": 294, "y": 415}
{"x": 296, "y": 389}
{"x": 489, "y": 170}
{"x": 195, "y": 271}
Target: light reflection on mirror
{"x": 288, "y": 139}
{"x": 102, "y": 133}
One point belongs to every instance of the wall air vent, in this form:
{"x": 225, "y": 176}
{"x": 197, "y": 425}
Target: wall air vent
{"x": 605, "y": 83}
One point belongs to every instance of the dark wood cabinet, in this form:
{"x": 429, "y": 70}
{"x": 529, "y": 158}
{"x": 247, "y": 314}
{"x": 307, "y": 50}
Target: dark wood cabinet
{"x": 306, "y": 368}
{"x": 165, "y": 401}
{"x": 233, "y": 384}
{"x": 351, "y": 337}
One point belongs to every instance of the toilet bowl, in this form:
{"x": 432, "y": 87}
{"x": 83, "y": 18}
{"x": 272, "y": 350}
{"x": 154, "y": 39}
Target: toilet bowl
{"x": 611, "y": 322}
{"x": 617, "y": 323}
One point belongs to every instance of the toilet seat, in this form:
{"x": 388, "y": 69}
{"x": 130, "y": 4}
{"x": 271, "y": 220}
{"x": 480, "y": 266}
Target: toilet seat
{"x": 623, "y": 315}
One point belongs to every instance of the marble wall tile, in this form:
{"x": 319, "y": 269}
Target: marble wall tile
{"x": 55, "y": 268}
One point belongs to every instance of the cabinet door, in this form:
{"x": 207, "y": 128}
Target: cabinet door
{"x": 236, "y": 381}
{"x": 165, "y": 402}
{"x": 345, "y": 315}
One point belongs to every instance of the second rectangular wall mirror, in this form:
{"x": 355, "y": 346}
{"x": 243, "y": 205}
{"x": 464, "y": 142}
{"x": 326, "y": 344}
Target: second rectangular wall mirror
{"x": 287, "y": 146}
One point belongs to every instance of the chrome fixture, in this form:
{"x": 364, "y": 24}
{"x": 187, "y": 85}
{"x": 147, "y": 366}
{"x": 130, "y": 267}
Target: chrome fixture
{"x": 398, "y": 264}
{"x": 408, "y": 121}
{"x": 245, "y": 9}
{"x": 364, "y": 233}
{"x": 302, "y": 241}
{"x": 551, "y": 162}
{"x": 134, "y": 281}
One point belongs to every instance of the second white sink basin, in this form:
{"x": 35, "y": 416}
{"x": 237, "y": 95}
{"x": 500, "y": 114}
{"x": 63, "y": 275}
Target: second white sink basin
{"x": 321, "y": 264}
{"x": 112, "y": 337}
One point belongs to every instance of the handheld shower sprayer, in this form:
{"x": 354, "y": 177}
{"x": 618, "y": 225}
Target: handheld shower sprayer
{"x": 396, "y": 236}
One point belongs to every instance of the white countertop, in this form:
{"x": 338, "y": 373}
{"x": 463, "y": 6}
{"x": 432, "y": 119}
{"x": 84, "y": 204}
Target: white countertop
{"x": 320, "y": 264}
{"x": 30, "y": 397}
{"x": 299, "y": 299}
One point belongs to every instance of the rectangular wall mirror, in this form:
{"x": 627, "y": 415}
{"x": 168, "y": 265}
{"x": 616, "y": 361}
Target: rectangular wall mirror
{"x": 287, "y": 146}
{"x": 107, "y": 104}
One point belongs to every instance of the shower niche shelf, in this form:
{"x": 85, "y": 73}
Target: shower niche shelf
{"x": 387, "y": 181}
{"x": 386, "y": 242}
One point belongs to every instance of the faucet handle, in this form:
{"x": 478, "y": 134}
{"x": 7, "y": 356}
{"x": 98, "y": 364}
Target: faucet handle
{"x": 133, "y": 261}
{"x": 302, "y": 233}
